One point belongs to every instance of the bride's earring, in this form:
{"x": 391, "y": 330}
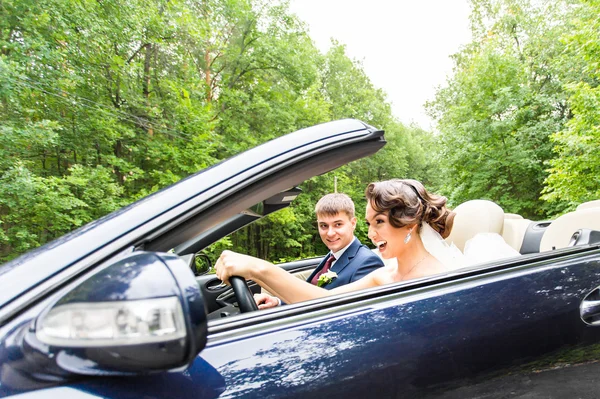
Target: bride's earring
{"x": 407, "y": 238}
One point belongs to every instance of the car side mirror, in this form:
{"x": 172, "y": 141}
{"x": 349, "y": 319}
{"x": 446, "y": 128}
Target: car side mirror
{"x": 143, "y": 314}
{"x": 202, "y": 264}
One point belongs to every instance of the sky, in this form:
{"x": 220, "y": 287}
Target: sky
{"x": 404, "y": 45}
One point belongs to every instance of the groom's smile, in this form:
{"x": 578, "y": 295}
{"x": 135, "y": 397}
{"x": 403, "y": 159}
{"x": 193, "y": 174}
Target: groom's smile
{"x": 336, "y": 231}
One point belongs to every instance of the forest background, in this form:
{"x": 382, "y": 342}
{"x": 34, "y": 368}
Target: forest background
{"x": 105, "y": 101}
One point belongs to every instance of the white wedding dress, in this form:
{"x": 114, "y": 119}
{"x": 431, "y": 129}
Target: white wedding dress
{"x": 483, "y": 247}
{"x": 448, "y": 254}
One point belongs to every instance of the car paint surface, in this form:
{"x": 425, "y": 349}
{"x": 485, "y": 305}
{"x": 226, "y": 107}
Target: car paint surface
{"x": 433, "y": 340}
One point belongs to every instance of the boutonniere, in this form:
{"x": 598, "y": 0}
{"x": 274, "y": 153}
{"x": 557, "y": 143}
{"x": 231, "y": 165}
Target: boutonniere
{"x": 326, "y": 278}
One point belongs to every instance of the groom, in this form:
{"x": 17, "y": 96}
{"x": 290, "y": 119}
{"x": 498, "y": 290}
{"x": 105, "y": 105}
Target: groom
{"x": 347, "y": 261}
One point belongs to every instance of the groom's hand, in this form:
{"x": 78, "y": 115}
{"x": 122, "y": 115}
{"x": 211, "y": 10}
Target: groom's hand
{"x": 266, "y": 301}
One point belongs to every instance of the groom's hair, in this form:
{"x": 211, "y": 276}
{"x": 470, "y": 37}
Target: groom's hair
{"x": 332, "y": 204}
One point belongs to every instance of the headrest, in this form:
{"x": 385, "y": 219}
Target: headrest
{"x": 560, "y": 231}
{"x": 514, "y": 231}
{"x": 473, "y": 217}
{"x": 588, "y": 205}
{"x": 512, "y": 216}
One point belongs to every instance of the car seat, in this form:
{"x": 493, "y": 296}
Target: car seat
{"x": 514, "y": 231}
{"x": 559, "y": 233}
{"x": 512, "y": 216}
{"x": 588, "y": 205}
{"x": 474, "y": 217}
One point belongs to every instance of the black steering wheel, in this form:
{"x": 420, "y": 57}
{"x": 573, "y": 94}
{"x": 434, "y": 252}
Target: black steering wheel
{"x": 242, "y": 292}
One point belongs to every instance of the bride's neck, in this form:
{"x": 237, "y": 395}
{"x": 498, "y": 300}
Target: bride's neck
{"x": 413, "y": 253}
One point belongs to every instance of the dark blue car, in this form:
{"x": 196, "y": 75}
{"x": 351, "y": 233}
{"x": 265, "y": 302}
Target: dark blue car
{"x": 114, "y": 310}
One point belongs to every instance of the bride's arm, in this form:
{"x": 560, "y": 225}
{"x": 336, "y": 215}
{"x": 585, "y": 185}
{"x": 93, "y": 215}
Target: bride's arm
{"x": 292, "y": 289}
{"x": 278, "y": 281}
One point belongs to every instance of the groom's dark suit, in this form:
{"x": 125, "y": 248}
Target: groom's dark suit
{"x": 356, "y": 262}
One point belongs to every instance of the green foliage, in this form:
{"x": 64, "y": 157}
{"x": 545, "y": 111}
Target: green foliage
{"x": 519, "y": 118}
{"x": 105, "y": 102}
{"x": 574, "y": 172}
{"x": 35, "y": 209}
{"x": 504, "y": 101}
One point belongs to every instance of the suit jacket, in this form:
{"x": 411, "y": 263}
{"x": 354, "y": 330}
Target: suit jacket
{"x": 356, "y": 262}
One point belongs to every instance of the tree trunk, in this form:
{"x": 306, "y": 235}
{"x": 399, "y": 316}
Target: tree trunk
{"x": 146, "y": 83}
{"x": 207, "y": 76}
{"x": 98, "y": 154}
{"x": 118, "y": 151}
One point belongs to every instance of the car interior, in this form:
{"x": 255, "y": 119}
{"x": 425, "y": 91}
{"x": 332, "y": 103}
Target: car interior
{"x": 524, "y": 236}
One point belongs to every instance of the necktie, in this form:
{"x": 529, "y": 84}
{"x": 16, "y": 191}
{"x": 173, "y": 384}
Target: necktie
{"x": 324, "y": 270}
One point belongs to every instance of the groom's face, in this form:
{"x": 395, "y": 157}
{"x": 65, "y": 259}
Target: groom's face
{"x": 336, "y": 231}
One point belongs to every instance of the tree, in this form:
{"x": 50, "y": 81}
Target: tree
{"x": 504, "y": 101}
{"x": 573, "y": 174}
{"x": 104, "y": 102}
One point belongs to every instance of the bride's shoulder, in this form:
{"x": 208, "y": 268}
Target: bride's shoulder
{"x": 384, "y": 275}
{"x": 430, "y": 267}
{"x": 435, "y": 266}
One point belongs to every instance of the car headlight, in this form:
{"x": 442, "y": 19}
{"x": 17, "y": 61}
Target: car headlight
{"x": 113, "y": 323}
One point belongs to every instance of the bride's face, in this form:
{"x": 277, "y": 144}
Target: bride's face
{"x": 387, "y": 238}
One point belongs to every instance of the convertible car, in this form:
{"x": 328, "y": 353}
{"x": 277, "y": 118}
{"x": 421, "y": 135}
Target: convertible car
{"x": 115, "y": 310}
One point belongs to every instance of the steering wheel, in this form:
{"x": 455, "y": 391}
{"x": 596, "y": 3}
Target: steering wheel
{"x": 242, "y": 292}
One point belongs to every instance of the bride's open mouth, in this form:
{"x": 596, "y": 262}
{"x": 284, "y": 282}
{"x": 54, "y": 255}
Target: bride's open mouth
{"x": 381, "y": 245}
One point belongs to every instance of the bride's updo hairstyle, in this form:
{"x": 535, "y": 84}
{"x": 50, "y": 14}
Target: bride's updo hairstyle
{"x": 407, "y": 202}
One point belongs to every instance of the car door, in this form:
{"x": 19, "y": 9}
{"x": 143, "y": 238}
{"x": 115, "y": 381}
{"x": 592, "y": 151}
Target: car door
{"x": 496, "y": 331}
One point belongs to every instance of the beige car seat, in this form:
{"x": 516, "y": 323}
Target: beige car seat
{"x": 514, "y": 231}
{"x": 588, "y": 205}
{"x": 559, "y": 233}
{"x": 474, "y": 217}
{"x": 512, "y": 216}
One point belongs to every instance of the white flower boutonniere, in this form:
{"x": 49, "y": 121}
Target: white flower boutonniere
{"x": 326, "y": 278}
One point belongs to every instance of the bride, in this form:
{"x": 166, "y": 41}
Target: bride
{"x": 401, "y": 215}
